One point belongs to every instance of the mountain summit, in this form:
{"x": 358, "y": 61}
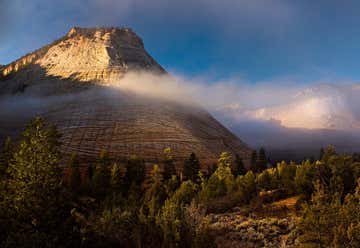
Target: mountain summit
{"x": 84, "y": 54}
{"x": 66, "y": 82}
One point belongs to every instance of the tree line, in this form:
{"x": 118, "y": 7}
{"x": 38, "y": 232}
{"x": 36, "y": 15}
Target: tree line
{"x": 117, "y": 205}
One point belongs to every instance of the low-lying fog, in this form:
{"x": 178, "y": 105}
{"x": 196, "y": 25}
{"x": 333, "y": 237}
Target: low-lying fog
{"x": 291, "y": 121}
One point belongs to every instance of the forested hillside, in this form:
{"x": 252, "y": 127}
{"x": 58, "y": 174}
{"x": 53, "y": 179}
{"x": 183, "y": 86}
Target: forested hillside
{"x": 44, "y": 203}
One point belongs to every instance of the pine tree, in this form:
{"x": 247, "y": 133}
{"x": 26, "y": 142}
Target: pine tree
{"x": 101, "y": 178}
{"x": 90, "y": 172}
{"x": 223, "y": 172}
{"x": 220, "y": 182}
{"x": 169, "y": 165}
{"x": 5, "y": 157}
{"x": 261, "y": 161}
{"x": 191, "y": 168}
{"x": 319, "y": 219}
{"x": 211, "y": 169}
{"x": 155, "y": 195}
{"x": 74, "y": 175}
{"x": 247, "y": 186}
{"x": 171, "y": 219}
{"x": 116, "y": 179}
{"x": 239, "y": 166}
{"x": 36, "y": 179}
{"x": 253, "y": 164}
{"x": 135, "y": 172}
{"x": 321, "y": 154}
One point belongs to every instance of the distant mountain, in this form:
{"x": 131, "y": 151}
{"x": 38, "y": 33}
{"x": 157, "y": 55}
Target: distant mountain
{"x": 69, "y": 83}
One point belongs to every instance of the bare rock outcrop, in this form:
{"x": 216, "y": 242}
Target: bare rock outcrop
{"x": 77, "y": 69}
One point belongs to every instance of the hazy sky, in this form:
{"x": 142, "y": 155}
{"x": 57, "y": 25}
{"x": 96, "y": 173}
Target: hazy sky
{"x": 256, "y": 40}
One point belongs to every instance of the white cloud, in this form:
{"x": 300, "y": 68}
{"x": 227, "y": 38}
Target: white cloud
{"x": 313, "y": 107}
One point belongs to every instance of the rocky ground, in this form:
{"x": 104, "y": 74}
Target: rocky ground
{"x": 270, "y": 226}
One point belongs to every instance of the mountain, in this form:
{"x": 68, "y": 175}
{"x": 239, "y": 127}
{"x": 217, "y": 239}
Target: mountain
{"x": 98, "y": 55}
{"x": 70, "y": 83}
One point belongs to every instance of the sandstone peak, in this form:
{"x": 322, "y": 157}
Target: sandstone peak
{"x": 98, "y": 55}
{"x": 126, "y": 35}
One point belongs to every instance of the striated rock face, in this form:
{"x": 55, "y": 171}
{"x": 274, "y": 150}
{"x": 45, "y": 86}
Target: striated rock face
{"x": 71, "y": 78}
{"x": 89, "y": 54}
{"x": 98, "y": 55}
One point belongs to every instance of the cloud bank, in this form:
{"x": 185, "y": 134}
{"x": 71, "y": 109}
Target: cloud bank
{"x": 285, "y": 103}
{"x": 281, "y": 115}
{"x": 319, "y": 106}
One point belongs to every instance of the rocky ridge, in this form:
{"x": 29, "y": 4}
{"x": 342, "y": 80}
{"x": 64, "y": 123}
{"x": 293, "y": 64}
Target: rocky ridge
{"x": 89, "y": 54}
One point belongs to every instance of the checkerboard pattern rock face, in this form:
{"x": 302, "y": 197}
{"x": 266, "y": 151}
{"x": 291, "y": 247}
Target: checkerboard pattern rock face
{"x": 87, "y": 60}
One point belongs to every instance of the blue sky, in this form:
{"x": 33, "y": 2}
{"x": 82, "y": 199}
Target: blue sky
{"x": 255, "y": 40}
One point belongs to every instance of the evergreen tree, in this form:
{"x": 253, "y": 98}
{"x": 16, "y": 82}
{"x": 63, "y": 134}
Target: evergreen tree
{"x": 319, "y": 218}
{"x": 321, "y": 154}
{"x": 155, "y": 195}
{"x": 191, "y": 168}
{"x": 90, "y": 172}
{"x": 87, "y": 180}
{"x": 247, "y": 186}
{"x": 220, "y": 182}
{"x": 169, "y": 165}
{"x": 101, "y": 178}
{"x": 172, "y": 216}
{"x": 223, "y": 171}
{"x": 5, "y": 157}
{"x": 304, "y": 179}
{"x": 328, "y": 153}
{"x": 74, "y": 175}
{"x": 286, "y": 175}
{"x": 239, "y": 166}
{"x": 211, "y": 169}
{"x": 261, "y": 161}
{"x": 116, "y": 179}
{"x": 253, "y": 164}
{"x": 264, "y": 180}
{"x": 347, "y": 229}
{"x": 36, "y": 186}
{"x": 356, "y": 157}
{"x": 135, "y": 172}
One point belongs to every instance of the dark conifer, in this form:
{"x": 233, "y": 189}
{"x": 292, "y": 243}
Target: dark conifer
{"x": 169, "y": 165}
{"x": 101, "y": 178}
{"x": 191, "y": 168}
{"x": 239, "y": 168}
{"x": 261, "y": 161}
{"x": 253, "y": 164}
{"x": 74, "y": 173}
